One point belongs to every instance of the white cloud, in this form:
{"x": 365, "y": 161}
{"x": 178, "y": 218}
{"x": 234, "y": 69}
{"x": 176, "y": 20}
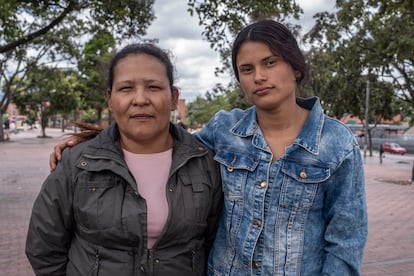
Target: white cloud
{"x": 310, "y": 8}
{"x": 180, "y": 33}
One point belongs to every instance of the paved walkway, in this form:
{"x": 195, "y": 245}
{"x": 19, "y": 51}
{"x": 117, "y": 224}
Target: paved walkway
{"x": 389, "y": 251}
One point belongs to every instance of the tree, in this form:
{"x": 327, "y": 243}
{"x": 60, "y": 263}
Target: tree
{"x": 201, "y": 110}
{"x": 363, "y": 45}
{"x": 236, "y": 98}
{"x": 25, "y": 21}
{"x": 93, "y": 67}
{"x": 50, "y": 91}
{"x": 363, "y": 40}
{"x": 223, "y": 19}
{"x": 13, "y": 76}
{"x": 55, "y": 30}
{"x": 65, "y": 25}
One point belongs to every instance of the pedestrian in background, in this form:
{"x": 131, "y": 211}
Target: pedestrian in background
{"x": 7, "y": 129}
{"x": 381, "y": 152}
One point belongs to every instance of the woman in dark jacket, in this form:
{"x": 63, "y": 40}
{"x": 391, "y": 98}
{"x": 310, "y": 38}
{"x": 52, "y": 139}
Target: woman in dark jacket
{"x": 141, "y": 198}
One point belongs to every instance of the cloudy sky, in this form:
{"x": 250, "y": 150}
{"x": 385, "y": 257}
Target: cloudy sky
{"x": 195, "y": 61}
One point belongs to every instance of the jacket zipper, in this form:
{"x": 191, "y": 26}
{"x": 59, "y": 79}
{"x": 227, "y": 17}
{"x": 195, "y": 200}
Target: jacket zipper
{"x": 168, "y": 197}
{"x": 94, "y": 271}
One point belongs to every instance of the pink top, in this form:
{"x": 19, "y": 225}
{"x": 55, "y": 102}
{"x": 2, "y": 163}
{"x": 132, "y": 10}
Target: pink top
{"x": 151, "y": 174}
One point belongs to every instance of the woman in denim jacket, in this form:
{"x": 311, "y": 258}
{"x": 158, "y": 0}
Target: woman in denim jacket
{"x": 293, "y": 178}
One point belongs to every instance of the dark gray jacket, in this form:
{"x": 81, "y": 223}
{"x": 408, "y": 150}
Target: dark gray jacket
{"x": 89, "y": 218}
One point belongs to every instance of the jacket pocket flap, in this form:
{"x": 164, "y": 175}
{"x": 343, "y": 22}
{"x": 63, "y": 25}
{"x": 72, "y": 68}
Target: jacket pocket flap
{"x": 236, "y": 160}
{"x": 196, "y": 180}
{"x": 306, "y": 172}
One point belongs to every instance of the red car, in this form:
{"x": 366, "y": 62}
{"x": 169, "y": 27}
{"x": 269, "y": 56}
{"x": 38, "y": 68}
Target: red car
{"x": 394, "y": 148}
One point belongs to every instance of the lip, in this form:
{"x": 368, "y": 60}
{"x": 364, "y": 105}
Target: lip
{"x": 262, "y": 90}
{"x": 141, "y": 116}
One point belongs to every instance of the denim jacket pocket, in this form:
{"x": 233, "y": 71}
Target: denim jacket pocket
{"x": 235, "y": 166}
{"x": 301, "y": 181}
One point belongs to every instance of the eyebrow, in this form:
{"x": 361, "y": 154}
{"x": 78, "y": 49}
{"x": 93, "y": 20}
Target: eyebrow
{"x": 263, "y": 59}
{"x": 146, "y": 81}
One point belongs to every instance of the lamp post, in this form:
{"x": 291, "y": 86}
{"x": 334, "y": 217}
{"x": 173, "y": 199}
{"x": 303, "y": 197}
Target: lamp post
{"x": 366, "y": 118}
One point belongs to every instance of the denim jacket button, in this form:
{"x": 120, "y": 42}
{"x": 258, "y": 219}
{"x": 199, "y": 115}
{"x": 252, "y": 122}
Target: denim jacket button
{"x": 229, "y": 169}
{"x": 262, "y": 184}
{"x": 303, "y": 174}
{"x": 257, "y": 223}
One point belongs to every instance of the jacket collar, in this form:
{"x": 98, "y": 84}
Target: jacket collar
{"x": 308, "y": 138}
{"x": 185, "y": 144}
{"x": 109, "y": 139}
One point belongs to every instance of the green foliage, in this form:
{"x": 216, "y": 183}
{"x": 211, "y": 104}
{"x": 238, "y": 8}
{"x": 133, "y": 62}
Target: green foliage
{"x": 24, "y": 21}
{"x": 50, "y": 85}
{"x": 363, "y": 40}
{"x": 236, "y": 98}
{"x": 93, "y": 66}
{"x": 223, "y": 19}
{"x": 89, "y": 116}
{"x": 45, "y": 33}
{"x": 202, "y": 109}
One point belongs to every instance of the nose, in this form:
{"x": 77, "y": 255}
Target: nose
{"x": 140, "y": 97}
{"x": 259, "y": 75}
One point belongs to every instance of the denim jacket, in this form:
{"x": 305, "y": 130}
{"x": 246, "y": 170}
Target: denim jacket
{"x": 303, "y": 214}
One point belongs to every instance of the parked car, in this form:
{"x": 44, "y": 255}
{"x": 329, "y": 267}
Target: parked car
{"x": 394, "y": 148}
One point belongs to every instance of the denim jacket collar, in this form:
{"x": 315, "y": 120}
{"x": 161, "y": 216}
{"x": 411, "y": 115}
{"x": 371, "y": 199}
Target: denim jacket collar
{"x": 310, "y": 135}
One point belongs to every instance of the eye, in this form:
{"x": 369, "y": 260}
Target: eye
{"x": 271, "y": 62}
{"x": 154, "y": 87}
{"x": 125, "y": 88}
{"x": 245, "y": 69}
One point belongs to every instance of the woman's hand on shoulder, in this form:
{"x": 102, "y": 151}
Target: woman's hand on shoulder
{"x": 56, "y": 155}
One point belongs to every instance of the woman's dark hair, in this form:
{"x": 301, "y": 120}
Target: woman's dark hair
{"x": 142, "y": 48}
{"x": 280, "y": 41}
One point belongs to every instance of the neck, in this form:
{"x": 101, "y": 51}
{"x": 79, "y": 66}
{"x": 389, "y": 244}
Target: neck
{"x": 280, "y": 120}
{"x": 148, "y": 146}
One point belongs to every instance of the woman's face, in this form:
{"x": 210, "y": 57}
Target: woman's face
{"x": 266, "y": 79}
{"x": 141, "y": 99}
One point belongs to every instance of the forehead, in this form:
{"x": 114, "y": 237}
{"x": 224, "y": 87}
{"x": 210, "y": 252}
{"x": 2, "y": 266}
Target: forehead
{"x": 140, "y": 63}
{"x": 253, "y": 50}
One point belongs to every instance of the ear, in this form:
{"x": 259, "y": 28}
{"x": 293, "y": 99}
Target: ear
{"x": 298, "y": 75}
{"x": 174, "y": 98}
{"x": 108, "y": 99}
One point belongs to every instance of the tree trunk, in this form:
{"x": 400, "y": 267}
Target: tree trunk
{"x": 44, "y": 120}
